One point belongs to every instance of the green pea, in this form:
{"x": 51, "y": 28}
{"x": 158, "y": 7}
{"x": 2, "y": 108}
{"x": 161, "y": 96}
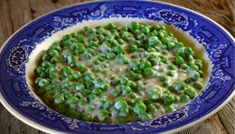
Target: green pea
{"x": 104, "y": 113}
{"x": 72, "y": 100}
{"x": 88, "y": 56}
{"x": 130, "y": 101}
{"x": 96, "y": 119}
{"x": 129, "y": 74}
{"x": 169, "y": 108}
{"x": 134, "y": 26}
{"x": 139, "y": 86}
{"x": 190, "y": 92}
{"x": 171, "y": 67}
{"x": 49, "y": 88}
{"x": 119, "y": 119}
{"x": 110, "y": 56}
{"x": 79, "y": 86}
{"x": 140, "y": 107}
{"x": 90, "y": 108}
{"x": 80, "y": 49}
{"x": 40, "y": 71}
{"x": 134, "y": 65}
{"x": 188, "y": 80}
{"x": 146, "y": 116}
{"x": 101, "y": 58}
{"x": 97, "y": 91}
{"x": 179, "y": 86}
{"x": 76, "y": 75}
{"x": 198, "y": 85}
{"x": 124, "y": 112}
{"x": 73, "y": 113}
{"x": 143, "y": 54}
{"x": 184, "y": 98}
{"x": 137, "y": 76}
{"x": 91, "y": 97}
{"x": 56, "y": 46}
{"x": 153, "y": 41}
{"x": 55, "y": 81}
{"x": 99, "y": 82}
{"x": 180, "y": 52}
{"x": 194, "y": 75}
{"x": 114, "y": 112}
{"x": 151, "y": 108}
{"x": 194, "y": 67}
{"x": 59, "y": 99}
{"x": 107, "y": 105}
{"x": 87, "y": 117}
{"x": 82, "y": 101}
{"x": 134, "y": 95}
{"x": 96, "y": 62}
{"x": 42, "y": 82}
{"x": 165, "y": 84}
{"x": 154, "y": 61}
{"x": 53, "y": 53}
{"x": 99, "y": 30}
{"x": 46, "y": 64}
{"x": 201, "y": 73}
{"x": 148, "y": 71}
{"x": 124, "y": 80}
{"x": 169, "y": 99}
{"x": 88, "y": 30}
{"x": 144, "y": 64}
{"x": 179, "y": 60}
{"x": 150, "y": 49}
{"x": 190, "y": 57}
{"x": 188, "y": 51}
{"x": 161, "y": 34}
{"x": 102, "y": 100}
{"x": 67, "y": 71}
{"x": 184, "y": 66}
{"x": 145, "y": 29}
{"x": 165, "y": 40}
{"x": 114, "y": 82}
{"x": 67, "y": 42}
{"x": 159, "y": 27}
{"x": 133, "y": 48}
{"x": 170, "y": 73}
{"x": 199, "y": 63}
{"x": 170, "y": 45}
{"x": 126, "y": 90}
{"x": 104, "y": 48}
{"x": 122, "y": 59}
{"x": 163, "y": 78}
{"x": 118, "y": 49}
{"x": 120, "y": 104}
{"x": 86, "y": 91}
{"x": 154, "y": 94}
{"x": 80, "y": 38}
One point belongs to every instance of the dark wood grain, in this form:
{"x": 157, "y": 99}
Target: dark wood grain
{"x": 16, "y": 13}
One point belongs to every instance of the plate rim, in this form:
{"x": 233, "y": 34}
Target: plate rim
{"x": 38, "y": 126}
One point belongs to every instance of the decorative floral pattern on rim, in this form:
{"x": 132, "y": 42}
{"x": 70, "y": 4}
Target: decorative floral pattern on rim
{"x": 219, "y": 52}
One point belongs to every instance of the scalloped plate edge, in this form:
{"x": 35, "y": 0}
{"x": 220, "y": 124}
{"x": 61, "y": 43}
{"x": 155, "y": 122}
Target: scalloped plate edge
{"x": 48, "y": 130}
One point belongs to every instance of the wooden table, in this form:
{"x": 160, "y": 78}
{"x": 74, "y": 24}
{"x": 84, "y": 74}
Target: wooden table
{"x": 16, "y": 13}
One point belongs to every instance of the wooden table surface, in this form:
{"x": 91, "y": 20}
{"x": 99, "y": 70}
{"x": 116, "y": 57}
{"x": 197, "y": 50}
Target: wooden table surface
{"x": 16, "y": 13}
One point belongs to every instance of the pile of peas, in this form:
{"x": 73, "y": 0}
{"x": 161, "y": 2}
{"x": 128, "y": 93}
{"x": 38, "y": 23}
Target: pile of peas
{"x": 118, "y": 73}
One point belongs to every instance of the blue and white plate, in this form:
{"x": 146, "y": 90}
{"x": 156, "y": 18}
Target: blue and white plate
{"x": 21, "y": 49}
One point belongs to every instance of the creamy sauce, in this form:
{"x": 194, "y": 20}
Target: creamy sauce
{"x": 116, "y": 69}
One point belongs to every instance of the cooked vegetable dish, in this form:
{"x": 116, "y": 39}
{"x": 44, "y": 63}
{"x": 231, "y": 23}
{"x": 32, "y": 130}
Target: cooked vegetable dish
{"x": 119, "y": 73}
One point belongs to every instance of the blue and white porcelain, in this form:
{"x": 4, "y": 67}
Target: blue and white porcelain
{"x": 18, "y": 51}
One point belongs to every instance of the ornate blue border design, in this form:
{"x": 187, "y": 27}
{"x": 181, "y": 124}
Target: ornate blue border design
{"x": 219, "y": 47}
